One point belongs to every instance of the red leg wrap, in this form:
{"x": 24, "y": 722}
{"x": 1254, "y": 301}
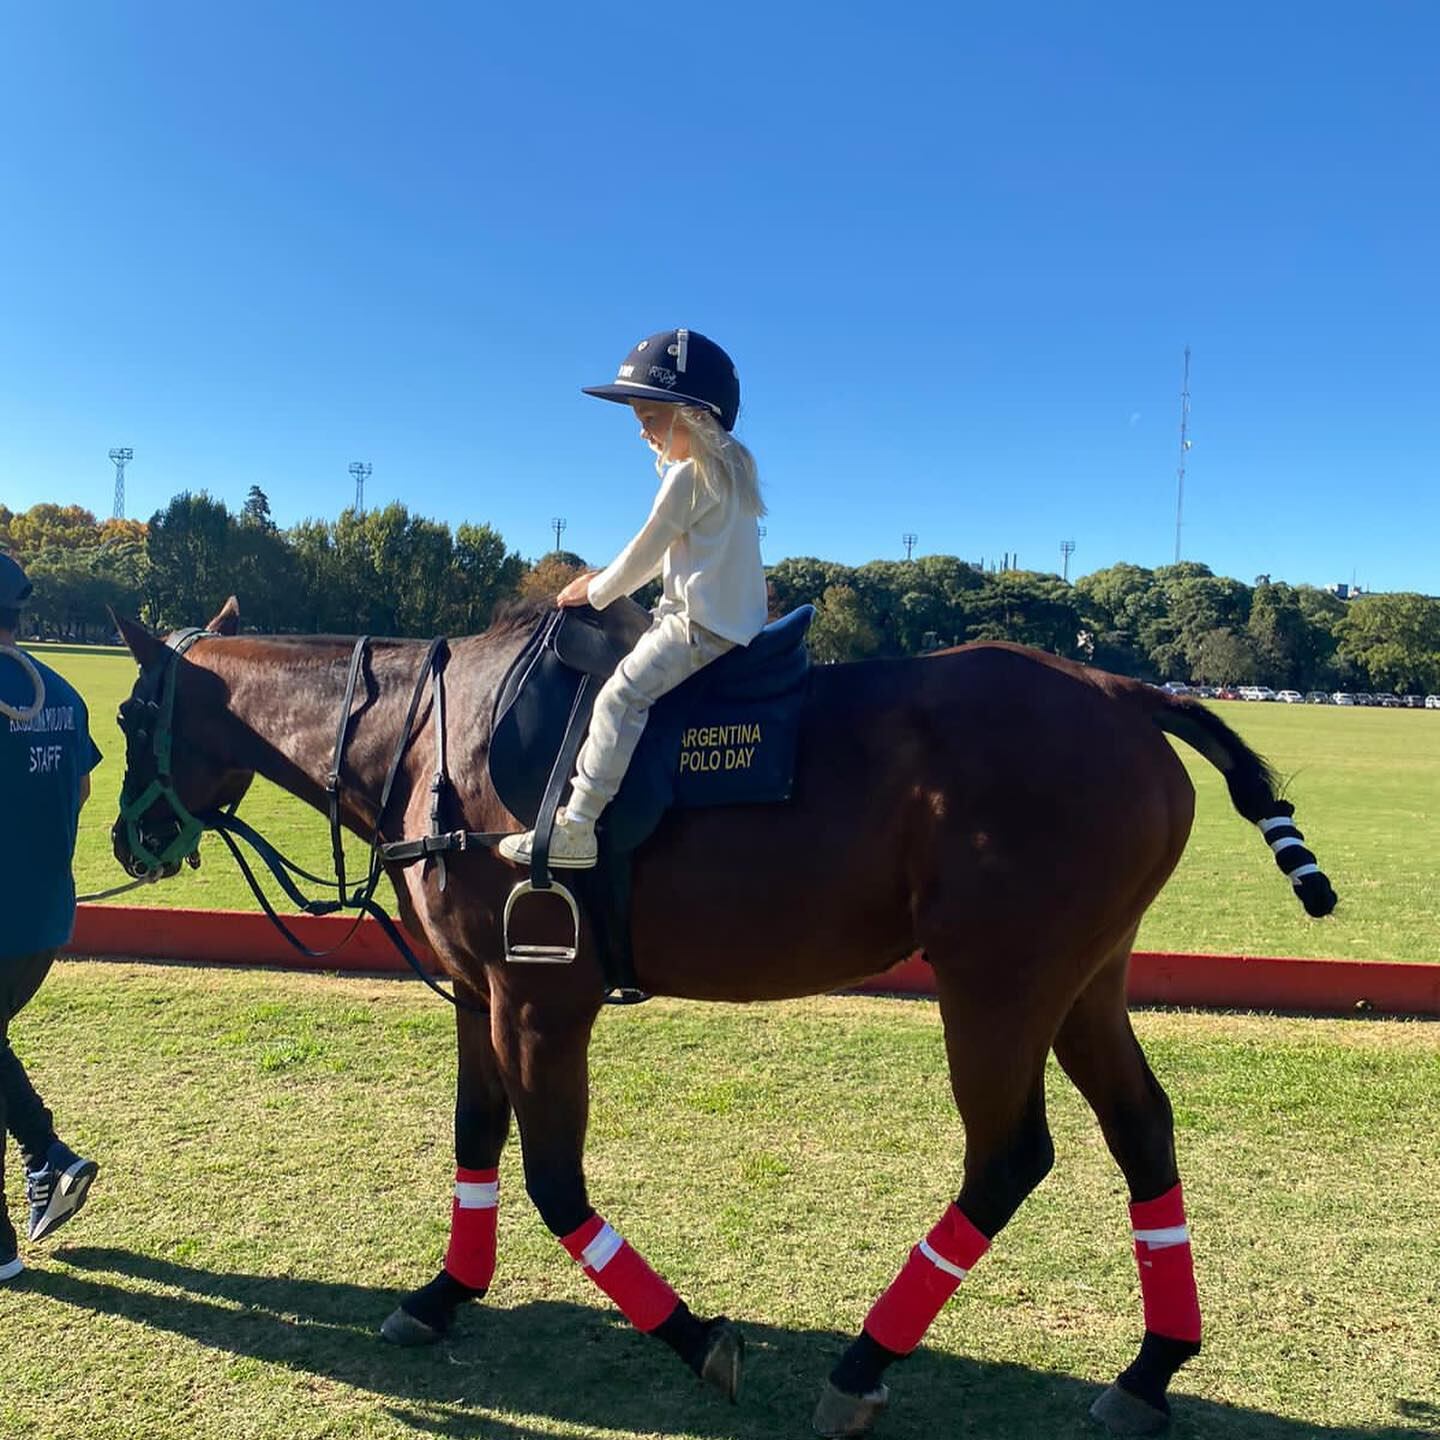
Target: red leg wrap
{"x": 471, "y": 1256}
{"x": 1167, "y": 1269}
{"x": 899, "y": 1319}
{"x": 621, "y": 1272}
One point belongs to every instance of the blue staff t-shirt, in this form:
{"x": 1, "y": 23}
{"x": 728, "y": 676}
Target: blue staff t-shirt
{"x": 42, "y": 762}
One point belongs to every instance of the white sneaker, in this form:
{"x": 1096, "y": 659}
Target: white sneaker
{"x": 572, "y": 845}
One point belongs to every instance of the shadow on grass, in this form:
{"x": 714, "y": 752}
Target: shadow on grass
{"x": 552, "y": 1362}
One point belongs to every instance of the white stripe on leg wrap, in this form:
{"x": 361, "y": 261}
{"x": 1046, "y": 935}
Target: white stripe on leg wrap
{"x": 477, "y": 1194}
{"x": 602, "y": 1249}
{"x": 940, "y": 1262}
{"x": 1164, "y": 1238}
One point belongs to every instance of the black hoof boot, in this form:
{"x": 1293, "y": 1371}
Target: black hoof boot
{"x": 426, "y": 1314}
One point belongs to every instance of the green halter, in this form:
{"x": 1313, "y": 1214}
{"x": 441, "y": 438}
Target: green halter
{"x": 148, "y": 727}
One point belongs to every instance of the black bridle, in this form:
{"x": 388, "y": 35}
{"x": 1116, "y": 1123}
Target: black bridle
{"x": 147, "y": 721}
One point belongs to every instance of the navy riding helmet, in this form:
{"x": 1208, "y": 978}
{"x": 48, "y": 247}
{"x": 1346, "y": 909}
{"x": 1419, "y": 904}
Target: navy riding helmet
{"x": 15, "y": 586}
{"x": 677, "y": 367}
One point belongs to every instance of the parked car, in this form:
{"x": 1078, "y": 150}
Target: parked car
{"x": 1227, "y": 692}
{"x": 1175, "y": 687}
{"x": 1319, "y": 697}
{"x": 1205, "y": 692}
{"x": 1413, "y": 702}
{"x": 1361, "y": 698}
{"x": 1290, "y": 697}
{"x": 1260, "y": 692}
{"x": 1343, "y": 697}
{"x": 1432, "y": 702}
{"x": 1389, "y": 702}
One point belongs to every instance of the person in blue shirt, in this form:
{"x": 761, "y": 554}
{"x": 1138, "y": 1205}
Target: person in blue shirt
{"x": 46, "y": 756}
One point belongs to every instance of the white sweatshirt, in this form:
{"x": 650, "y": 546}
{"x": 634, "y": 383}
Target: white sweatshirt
{"x": 708, "y": 551}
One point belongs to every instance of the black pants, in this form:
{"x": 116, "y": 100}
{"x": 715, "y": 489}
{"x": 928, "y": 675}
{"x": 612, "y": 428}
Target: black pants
{"x": 22, "y": 1111}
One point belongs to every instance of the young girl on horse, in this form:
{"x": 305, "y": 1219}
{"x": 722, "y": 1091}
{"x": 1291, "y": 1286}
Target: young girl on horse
{"x": 702, "y": 536}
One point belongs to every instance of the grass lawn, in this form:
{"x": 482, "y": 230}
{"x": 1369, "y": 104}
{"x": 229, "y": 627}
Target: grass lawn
{"x": 1366, "y": 784}
{"x": 275, "y": 1153}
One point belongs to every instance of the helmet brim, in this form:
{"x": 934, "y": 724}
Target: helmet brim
{"x": 622, "y": 393}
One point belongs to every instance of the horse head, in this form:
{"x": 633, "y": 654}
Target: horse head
{"x": 171, "y": 785}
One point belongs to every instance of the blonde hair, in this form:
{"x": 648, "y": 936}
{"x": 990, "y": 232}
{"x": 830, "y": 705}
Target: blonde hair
{"x": 722, "y": 462}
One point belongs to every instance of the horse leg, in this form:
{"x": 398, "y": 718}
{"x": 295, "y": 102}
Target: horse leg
{"x": 482, "y": 1123}
{"x": 1099, "y": 1052}
{"x": 545, "y": 1064}
{"x": 996, "y": 1051}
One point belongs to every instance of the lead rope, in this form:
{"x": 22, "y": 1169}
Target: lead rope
{"x": 24, "y": 715}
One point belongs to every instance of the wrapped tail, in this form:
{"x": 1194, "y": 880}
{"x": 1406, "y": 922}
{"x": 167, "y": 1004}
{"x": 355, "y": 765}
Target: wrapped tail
{"x": 1252, "y": 788}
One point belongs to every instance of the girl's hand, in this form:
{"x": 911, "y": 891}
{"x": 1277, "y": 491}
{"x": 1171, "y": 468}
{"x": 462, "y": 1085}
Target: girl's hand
{"x": 577, "y": 592}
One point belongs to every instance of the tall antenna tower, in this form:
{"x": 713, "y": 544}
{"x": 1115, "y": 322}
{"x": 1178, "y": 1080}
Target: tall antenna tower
{"x": 361, "y": 471}
{"x": 908, "y": 539}
{"x": 1184, "y": 447}
{"x": 121, "y": 457}
{"x": 558, "y": 525}
{"x": 1067, "y": 549}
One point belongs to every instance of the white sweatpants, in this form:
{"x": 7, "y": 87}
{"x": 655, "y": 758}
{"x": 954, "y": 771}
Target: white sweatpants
{"x": 670, "y": 651}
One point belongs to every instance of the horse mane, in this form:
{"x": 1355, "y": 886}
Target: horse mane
{"x": 519, "y": 613}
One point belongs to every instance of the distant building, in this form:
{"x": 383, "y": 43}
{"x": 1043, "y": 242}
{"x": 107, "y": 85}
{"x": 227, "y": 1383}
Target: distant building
{"x": 1346, "y": 592}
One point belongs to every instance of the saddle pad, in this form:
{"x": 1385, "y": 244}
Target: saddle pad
{"x": 702, "y": 746}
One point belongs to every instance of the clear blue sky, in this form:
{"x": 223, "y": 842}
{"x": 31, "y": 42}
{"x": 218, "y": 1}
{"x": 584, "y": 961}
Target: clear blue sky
{"x": 956, "y": 252}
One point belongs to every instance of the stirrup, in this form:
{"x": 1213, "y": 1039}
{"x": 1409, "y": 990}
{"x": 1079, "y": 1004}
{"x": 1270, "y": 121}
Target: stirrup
{"x": 541, "y": 954}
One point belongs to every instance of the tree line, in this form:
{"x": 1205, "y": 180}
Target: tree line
{"x": 389, "y": 572}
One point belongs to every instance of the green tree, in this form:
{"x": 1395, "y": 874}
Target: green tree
{"x": 841, "y": 629}
{"x": 485, "y": 573}
{"x": 1028, "y": 608}
{"x": 255, "y": 512}
{"x": 803, "y": 580}
{"x": 1395, "y": 639}
{"x": 190, "y": 559}
{"x": 1223, "y": 657}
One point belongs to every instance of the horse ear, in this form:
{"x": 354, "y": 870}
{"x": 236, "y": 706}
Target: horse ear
{"x": 145, "y": 647}
{"x": 227, "y": 619}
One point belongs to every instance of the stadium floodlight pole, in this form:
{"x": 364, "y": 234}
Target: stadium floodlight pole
{"x": 1067, "y": 549}
{"x": 361, "y": 471}
{"x": 909, "y": 539}
{"x": 1184, "y": 446}
{"x": 122, "y": 457}
{"x": 557, "y": 524}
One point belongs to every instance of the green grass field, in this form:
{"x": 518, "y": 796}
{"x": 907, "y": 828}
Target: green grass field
{"x": 1366, "y": 784}
{"x": 276, "y": 1158}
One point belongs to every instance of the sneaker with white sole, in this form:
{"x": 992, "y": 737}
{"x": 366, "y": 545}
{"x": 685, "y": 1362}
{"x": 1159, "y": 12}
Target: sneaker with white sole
{"x": 10, "y": 1262}
{"x": 572, "y": 845}
{"x": 58, "y": 1189}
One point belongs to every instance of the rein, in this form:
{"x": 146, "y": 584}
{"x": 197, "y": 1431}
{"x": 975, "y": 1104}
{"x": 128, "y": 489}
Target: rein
{"x": 148, "y": 726}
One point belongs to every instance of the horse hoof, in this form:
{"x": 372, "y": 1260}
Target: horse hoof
{"x": 724, "y": 1359}
{"x": 1122, "y": 1413}
{"x": 402, "y": 1328}
{"x": 839, "y": 1414}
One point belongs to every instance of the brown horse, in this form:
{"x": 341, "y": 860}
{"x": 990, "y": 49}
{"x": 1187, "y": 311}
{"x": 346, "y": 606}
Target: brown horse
{"x": 1010, "y": 814}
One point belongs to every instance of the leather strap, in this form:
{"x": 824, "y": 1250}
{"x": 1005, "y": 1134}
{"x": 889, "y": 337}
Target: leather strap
{"x": 564, "y": 768}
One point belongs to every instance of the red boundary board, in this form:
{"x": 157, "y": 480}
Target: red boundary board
{"x": 1329, "y": 987}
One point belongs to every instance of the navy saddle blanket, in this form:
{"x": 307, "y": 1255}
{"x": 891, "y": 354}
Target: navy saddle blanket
{"x": 727, "y": 736}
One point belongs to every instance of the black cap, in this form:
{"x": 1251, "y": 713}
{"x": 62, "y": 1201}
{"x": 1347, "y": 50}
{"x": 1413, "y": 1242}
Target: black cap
{"x": 677, "y": 367}
{"x": 15, "y": 586}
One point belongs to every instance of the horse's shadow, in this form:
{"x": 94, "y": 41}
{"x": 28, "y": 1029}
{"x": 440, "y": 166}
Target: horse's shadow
{"x": 566, "y": 1363}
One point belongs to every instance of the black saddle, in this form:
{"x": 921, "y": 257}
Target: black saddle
{"x": 726, "y": 736}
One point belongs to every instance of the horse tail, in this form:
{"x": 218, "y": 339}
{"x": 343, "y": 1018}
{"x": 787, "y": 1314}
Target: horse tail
{"x": 1253, "y": 786}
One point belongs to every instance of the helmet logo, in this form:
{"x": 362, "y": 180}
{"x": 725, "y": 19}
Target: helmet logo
{"x": 626, "y": 371}
{"x": 661, "y": 376}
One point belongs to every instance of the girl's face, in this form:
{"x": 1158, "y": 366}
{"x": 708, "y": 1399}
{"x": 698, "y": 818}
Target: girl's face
{"x": 662, "y": 429}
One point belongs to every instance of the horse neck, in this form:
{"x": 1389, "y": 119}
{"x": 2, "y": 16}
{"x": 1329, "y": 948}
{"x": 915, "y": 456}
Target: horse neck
{"x": 281, "y": 706}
